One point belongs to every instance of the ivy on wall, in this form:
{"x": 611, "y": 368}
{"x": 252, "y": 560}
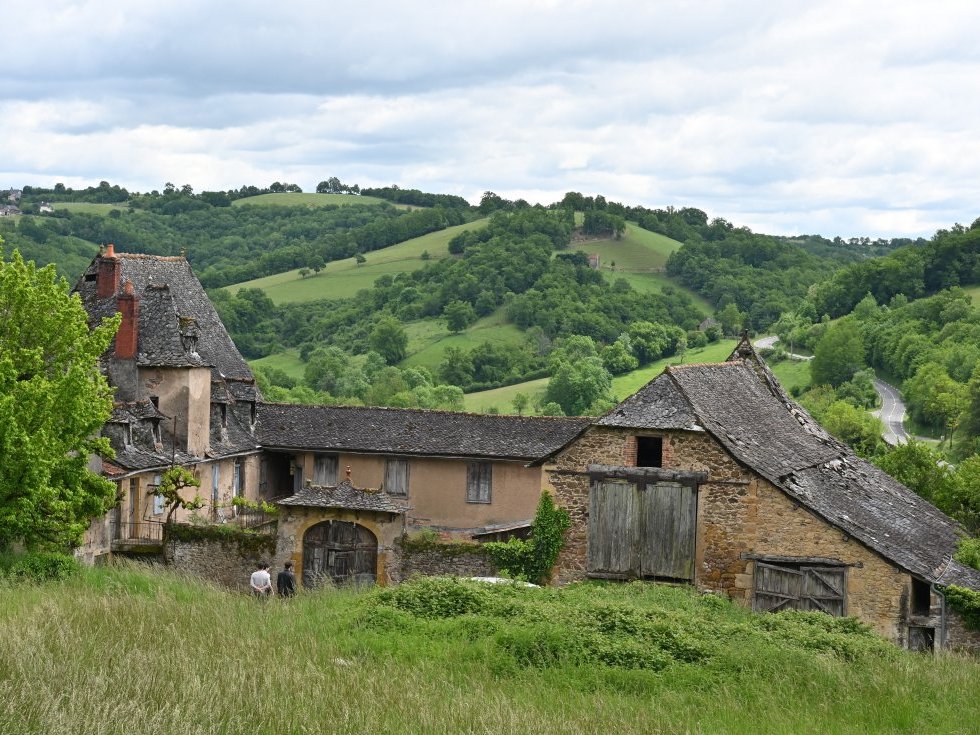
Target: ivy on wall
{"x": 966, "y": 602}
{"x": 248, "y": 542}
{"x": 534, "y": 558}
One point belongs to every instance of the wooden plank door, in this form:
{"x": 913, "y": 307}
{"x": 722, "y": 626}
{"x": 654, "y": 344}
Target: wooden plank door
{"x": 667, "y": 521}
{"x": 824, "y": 589}
{"x": 612, "y": 528}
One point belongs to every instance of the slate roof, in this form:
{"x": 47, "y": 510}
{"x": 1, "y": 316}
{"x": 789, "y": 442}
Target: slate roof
{"x": 174, "y": 310}
{"x": 344, "y": 496}
{"x": 413, "y": 431}
{"x": 740, "y": 403}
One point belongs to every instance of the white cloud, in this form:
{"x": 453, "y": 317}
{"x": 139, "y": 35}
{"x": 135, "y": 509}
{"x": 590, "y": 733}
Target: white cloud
{"x": 830, "y": 117}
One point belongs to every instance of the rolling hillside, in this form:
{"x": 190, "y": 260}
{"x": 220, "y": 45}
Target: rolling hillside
{"x": 639, "y": 257}
{"x": 309, "y": 199}
{"x": 344, "y": 278}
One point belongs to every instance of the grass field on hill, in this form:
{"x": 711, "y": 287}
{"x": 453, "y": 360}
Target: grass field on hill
{"x": 344, "y": 278}
{"x": 309, "y": 199}
{"x": 636, "y": 256}
{"x": 974, "y": 293}
{"x": 623, "y": 385}
{"x": 137, "y": 652}
{"x": 428, "y": 339}
{"x": 288, "y": 361}
{"x": 89, "y": 207}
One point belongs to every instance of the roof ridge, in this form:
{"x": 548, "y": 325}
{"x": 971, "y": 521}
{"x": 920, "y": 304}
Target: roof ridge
{"x": 430, "y": 411}
{"x": 726, "y": 363}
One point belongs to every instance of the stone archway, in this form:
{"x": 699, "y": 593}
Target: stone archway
{"x": 339, "y": 552}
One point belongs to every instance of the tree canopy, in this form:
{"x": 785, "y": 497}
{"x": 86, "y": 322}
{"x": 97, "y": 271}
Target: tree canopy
{"x": 53, "y": 403}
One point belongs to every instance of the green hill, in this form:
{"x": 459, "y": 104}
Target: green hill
{"x": 623, "y": 385}
{"x": 141, "y": 651}
{"x": 308, "y": 199}
{"x": 639, "y": 257}
{"x": 344, "y": 278}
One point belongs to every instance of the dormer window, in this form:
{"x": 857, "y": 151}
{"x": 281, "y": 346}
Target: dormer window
{"x": 128, "y": 434}
{"x": 253, "y": 413}
{"x": 224, "y": 416}
{"x": 157, "y": 434}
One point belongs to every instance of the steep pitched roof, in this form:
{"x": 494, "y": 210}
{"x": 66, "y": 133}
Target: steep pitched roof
{"x": 178, "y": 324}
{"x": 413, "y": 431}
{"x": 740, "y": 403}
{"x": 344, "y": 496}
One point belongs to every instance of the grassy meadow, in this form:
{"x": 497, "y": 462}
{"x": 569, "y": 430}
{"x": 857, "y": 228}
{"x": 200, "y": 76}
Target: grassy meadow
{"x": 309, "y": 199}
{"x": 344, "y": 278}
{"x": 123, "y": 651}
{"x": 89, "y": 207}
{"x": 623, "y": 385}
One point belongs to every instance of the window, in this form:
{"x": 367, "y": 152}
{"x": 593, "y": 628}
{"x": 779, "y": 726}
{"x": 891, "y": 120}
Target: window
{"x": 224, "y": 416}
{"x": 237, "y": 488}
{"x": 478, "y": 482}
{"x": 215, "y": 478}
{"x": 396, "y": 477}
{"x": 921, "y": 597}
{"x": 155, "y": 428}
{"x": 325, "y": 470}
{"x": 649, "y": 451}
{"x": 158, "y": 500}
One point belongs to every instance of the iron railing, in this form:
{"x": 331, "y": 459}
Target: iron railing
{"x": 138, "y": 531}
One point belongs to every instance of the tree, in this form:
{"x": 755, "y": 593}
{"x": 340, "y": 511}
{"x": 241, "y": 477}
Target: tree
{"x": 172, "y": 482}
{"x": 920, "y": 469}
{"x": 456, "y": 367}
{"x": 617, "y": 357}
{"x": 731, "y": 319}
{"x": 53, "y": 404}
{"x": 388, "y": 338}
{"x": 577, "y": 386}
{"x": 459, "y": 315}
{"x": 853, "y": 426}
{"x": 838, "y": 355}
{"x": 649, "y": 340}
{"x": 520, "y": 403}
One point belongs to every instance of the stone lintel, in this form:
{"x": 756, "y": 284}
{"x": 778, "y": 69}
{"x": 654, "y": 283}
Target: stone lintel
{"x": 646, "y": 474}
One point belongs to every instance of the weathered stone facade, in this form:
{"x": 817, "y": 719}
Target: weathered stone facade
{"x": 455, "y": 560}
{"x": 740, "y": 515}
{"x": 959, "y": 637}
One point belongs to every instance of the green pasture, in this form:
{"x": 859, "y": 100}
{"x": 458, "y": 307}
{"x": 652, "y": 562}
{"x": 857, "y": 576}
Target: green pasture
{"x": 622, "y": 387}
{"x": 309, "y": 199}
{"x": 90, "y": 207}
{"x": 288, "y": 361}
{"x": 344, "y": 278}
{"x": 429, "y": 339}
{"x": 792, "y": 373}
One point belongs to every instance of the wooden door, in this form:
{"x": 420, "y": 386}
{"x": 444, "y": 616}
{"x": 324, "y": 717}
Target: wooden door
{"x": 667, "y": 522}
{"x": 642, "y": 530}
{"x": 776, "y": 588}
{"x": 339, "y": 552}
{"x": 823, "y": 590}
{"x": 800, "y": 587}
{"x": 612, "y": 528}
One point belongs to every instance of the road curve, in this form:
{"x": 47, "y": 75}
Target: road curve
{"x": 891, "y": 413}
{"x": 767, "y": 343}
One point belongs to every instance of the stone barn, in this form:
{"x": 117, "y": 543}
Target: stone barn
{"x": 710, "y": 475}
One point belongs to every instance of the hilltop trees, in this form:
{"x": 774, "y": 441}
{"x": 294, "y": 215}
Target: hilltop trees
{"x": 53, "y": 402}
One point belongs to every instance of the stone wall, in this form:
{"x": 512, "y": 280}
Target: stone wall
{"x": 739, "y": 514}
{"x": 224, "y": 562}
{"x": 456, "y": 560}
{"x": 959, "y": 637}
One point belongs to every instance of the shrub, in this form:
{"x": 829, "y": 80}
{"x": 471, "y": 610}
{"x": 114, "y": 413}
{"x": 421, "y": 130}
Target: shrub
{"x": 533, "y": 559}
{"x": 968, "y": 552}
{"x": 966, "y": 602}
{"x": 40, "y": 566}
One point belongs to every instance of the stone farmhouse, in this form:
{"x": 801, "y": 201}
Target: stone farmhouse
{"x": 709, "y": 475}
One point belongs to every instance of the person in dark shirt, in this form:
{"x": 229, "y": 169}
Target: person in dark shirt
{"x": 286, "y": 581}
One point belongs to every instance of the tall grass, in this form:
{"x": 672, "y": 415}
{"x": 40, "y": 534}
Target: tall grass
{"x": 129, "y": 651}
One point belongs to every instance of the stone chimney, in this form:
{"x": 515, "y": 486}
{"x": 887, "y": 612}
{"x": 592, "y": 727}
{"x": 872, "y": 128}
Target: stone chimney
{"x": 107, "y": 283}
{"x": 127, "y": 304}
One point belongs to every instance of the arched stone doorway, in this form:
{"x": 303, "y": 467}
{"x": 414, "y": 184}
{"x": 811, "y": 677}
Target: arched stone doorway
{"x": 339, "y": 552}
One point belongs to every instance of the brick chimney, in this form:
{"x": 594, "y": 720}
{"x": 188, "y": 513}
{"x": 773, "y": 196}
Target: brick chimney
{"x": 127, "y": 304}
{"x": 107, "y": 282}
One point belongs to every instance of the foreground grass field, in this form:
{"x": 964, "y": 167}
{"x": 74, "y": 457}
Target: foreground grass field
{"x": 502, "y": 399}
{"x": 121, "y": 651}
{"x": 344, "y": 278}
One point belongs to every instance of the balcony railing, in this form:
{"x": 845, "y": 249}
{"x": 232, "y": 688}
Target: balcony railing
{"x": 142, "y": 531}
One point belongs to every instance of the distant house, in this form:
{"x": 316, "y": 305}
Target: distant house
{"x": 13, "y": 195}
{"x": 8, "y": 210}
{"x": 45, "y": 208}
{"x": 708, "y": 323}
{"x": 594, "y": 261}
{"x": 712, "y": 476}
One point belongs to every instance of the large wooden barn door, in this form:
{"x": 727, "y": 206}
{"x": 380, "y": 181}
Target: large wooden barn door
{"x": 641, "y": 529}
{"x": 339, "y": 551}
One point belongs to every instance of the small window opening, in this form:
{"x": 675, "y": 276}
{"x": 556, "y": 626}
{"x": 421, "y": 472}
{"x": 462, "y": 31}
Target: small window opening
{"x": 649, "y": 451}
{"x": 90, "y": 277}
{"x": 922, "y": 639}
{"x": 155, "y": 400}
{"x": 921, "y": 599}
{"x": 224, "y": 416}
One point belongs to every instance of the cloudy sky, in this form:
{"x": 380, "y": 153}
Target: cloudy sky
{"x": 849, "y": 118}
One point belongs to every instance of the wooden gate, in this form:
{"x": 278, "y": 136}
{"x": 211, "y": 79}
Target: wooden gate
{"x": 339, "y": 551}
{"x": 800, "y": 587}
{"x": 642, "y": 529}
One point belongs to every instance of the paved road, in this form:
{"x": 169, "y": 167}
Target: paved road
{"x": 891, "y": 413}
{"x": 767, "y": 343}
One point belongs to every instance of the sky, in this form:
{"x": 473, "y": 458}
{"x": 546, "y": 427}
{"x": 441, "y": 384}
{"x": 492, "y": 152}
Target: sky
{"x": 855, "y": 118}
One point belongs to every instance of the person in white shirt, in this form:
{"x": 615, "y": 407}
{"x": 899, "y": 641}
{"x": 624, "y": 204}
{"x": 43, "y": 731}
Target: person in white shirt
{"x": 261, "y": 581}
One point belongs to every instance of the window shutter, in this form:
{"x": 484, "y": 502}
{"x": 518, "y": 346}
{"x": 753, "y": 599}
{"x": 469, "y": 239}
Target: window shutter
{"x": 479, "y": 482}
{"x": 396, "y": 477}
{"x": 325, "y": 470}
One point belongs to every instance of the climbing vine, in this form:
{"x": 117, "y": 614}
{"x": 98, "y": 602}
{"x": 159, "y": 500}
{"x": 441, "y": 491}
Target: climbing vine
{"x": 966, "y": 602}
{"x": 533, "y": 559}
